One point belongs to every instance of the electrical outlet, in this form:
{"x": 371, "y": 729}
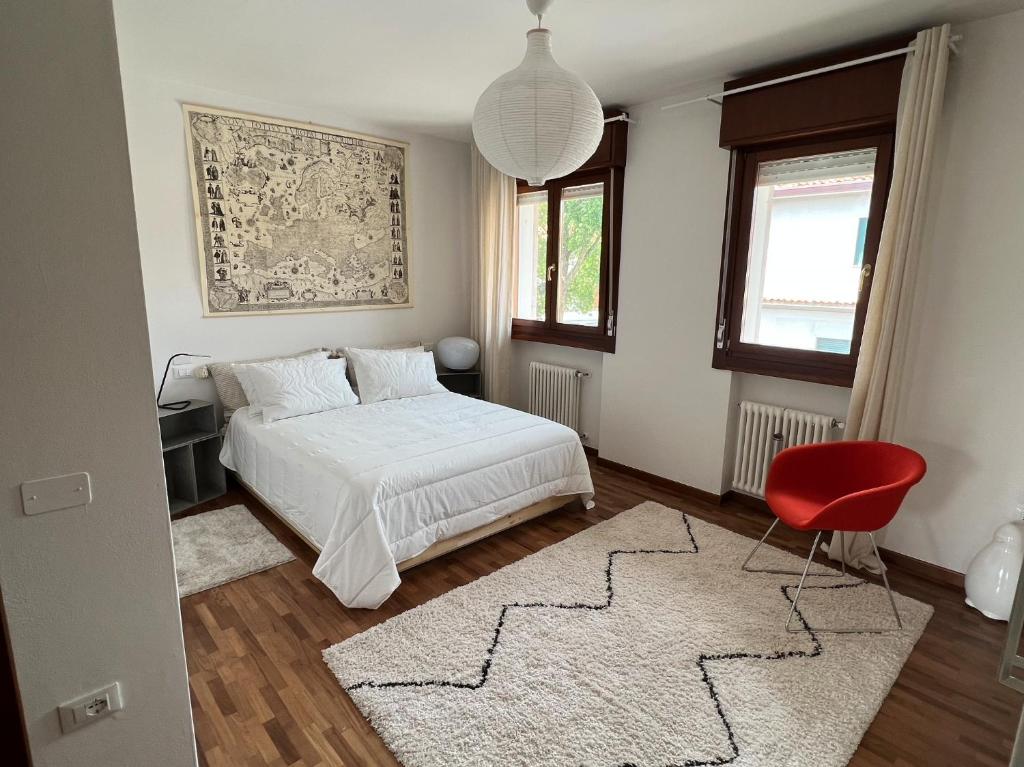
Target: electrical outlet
{"x": 181, "y": 371}
{"x": 90, "y": 708}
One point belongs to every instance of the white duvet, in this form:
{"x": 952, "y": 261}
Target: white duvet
{"x": 377, "y": 484}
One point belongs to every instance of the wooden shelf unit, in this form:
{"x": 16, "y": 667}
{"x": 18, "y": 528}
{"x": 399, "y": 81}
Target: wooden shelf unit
{"x": 468, "y": 382}
{"x": 191, "y": 447}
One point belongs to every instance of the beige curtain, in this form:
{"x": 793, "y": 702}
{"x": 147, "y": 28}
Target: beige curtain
{"x": 874, "y": 401}
{"x": 493, "y": 274}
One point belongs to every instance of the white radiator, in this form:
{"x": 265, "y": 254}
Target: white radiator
{"x": 555, "y": 393}
{"x": 763, "y": 431}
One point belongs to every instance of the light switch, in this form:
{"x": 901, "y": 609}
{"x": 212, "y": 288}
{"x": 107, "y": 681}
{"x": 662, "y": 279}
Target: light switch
{"x": 53, "y": 493}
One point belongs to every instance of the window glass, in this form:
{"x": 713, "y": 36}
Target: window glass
{"x": 581, "y": 219}
{"x": 531, "y": 292}
{"x": 808, "y": 224}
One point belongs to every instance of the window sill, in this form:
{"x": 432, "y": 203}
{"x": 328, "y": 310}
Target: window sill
{"x": 526, "y": 331}
{"x": 832, "y": 375}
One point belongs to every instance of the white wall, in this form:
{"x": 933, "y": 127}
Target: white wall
{"x": 664, "y": 410}
{"x": 438, "y": 206}
{"x": 525, "y": 352}
{"x": 656, "y": 404}
{"x": 663, "y": 407}
{"x": 962, "y": 405}
{"x": 799, "y": 395}
{"x": 89, "y": 593}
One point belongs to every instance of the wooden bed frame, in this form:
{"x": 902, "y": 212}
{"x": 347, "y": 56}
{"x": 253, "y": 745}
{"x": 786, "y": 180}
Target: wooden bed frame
{"x": 447, "y": 545}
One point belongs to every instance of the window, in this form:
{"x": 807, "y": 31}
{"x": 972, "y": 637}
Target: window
{"x": 862, "y": 235}
{"x": 567, "y": 260}
{"x": 811, "y": 160}
{"x": 805, "y": 222}
{"x": 580, "y": 244}
{"x": 567, "y": 250}
{"x": 532, "y": 220}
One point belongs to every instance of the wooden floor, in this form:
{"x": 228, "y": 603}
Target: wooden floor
{"x": 261, "y": 694}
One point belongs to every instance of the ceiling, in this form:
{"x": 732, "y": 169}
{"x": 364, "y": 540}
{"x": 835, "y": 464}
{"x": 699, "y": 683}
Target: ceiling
{"x": 420, "y": 65}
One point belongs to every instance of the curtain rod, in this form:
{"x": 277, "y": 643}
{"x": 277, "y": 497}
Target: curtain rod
{"x": 715, "y": 98}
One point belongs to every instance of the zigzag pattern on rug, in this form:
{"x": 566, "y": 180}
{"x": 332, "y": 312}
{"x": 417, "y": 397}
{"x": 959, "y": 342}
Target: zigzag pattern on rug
{"x": 702, "y": 660}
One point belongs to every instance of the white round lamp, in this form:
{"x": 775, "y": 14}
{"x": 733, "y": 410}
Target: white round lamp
{"x": 538, "y": 121}
{"x": 458, "y": 353}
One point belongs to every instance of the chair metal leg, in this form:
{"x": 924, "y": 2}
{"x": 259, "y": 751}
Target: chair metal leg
{"x": 885, "y": 580}
{"x": 842, "y": 546}
{"x": 756, "y": 547}
{"x": 853, "y": 630}
{"x": 803, "y": 577}
{"x": 827, "y": 574}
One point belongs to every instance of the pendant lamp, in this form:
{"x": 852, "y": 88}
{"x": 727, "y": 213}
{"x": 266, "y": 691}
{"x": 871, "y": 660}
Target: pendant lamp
{"x": 539, "y": 121}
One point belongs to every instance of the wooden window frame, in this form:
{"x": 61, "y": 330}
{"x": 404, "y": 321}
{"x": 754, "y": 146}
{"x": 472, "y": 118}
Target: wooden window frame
{"x": 805, "y": 365}
{"x": 549, "y": 330}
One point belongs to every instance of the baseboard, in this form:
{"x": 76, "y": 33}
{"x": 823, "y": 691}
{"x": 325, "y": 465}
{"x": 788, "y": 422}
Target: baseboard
{"x": 750, "y": 501}
{"x": 908, "y": 564}
{"x": 591, "y": 451}
{"x": 663, "y": 482}
{"x": 926, "y": 570}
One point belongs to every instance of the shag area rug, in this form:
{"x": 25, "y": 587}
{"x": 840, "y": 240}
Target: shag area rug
{"x": 215, "y": 547}
{"x": 638, "y": 641}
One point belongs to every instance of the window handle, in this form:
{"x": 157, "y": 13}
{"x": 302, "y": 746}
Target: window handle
{"x": 551, "y": 270}
{"x": 865, "y": 277}
{"x": 720, "y": 335}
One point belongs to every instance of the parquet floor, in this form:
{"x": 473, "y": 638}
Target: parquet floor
{"x": 261, "y": 695}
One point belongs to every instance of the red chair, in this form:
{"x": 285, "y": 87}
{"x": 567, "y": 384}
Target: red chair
{"x": 840, "y": 486}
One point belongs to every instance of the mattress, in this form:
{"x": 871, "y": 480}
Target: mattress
{"x": 374, "y": 485}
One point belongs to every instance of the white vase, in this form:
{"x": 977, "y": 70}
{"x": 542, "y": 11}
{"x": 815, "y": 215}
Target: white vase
{"x": 991, "y": 579}
{"x": 458, "y": 353}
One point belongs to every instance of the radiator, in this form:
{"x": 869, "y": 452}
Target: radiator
{"x": 555, "y": 393}
{"x": 763, "y": 431}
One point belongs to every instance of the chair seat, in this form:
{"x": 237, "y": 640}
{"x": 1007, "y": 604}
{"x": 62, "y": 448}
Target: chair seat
{"x": 796, "y": 510}
{"x": 852, "y": 486}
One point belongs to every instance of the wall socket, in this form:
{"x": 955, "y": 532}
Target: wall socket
{"x": 90, "y": 708}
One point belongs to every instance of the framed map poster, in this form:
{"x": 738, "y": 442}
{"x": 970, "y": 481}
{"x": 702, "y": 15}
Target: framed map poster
{"x": 295, "y": 217}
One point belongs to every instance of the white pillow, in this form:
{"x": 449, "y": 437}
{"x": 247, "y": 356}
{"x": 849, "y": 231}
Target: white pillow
{"x": 353, "y": 372}
{"x": 287, "y": 388}
{"x": 394, "y": 374}
{"x": 239, "y": 371}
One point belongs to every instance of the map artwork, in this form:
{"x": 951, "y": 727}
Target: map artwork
{"x": 293, "y": 217}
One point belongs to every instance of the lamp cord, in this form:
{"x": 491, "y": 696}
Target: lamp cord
{"x": 180, "y": 404}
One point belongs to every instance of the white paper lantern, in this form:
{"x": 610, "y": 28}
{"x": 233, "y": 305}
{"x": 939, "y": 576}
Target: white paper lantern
{"x": 458, "y": 353}
{"x": 538, "y": 121}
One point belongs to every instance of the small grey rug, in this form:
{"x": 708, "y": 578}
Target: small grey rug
{"x": 638, "y": 641}
{"x": 215, "y": 547}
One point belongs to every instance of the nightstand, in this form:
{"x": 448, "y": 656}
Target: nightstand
{"x": 191, "y": 445}
{"x": 468, "y": 382}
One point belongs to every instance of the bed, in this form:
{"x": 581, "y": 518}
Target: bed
{"x": 381, "y": 487}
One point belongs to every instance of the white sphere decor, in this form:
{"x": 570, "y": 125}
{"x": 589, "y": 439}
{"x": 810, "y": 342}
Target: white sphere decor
{"x": 458, "y": 353}
{"x": 538, "y": 121}
{"x": 991, "y": 579}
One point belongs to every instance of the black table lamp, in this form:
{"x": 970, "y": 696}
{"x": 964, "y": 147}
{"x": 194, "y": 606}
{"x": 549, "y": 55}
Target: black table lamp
{"x": 182, "y": 404}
